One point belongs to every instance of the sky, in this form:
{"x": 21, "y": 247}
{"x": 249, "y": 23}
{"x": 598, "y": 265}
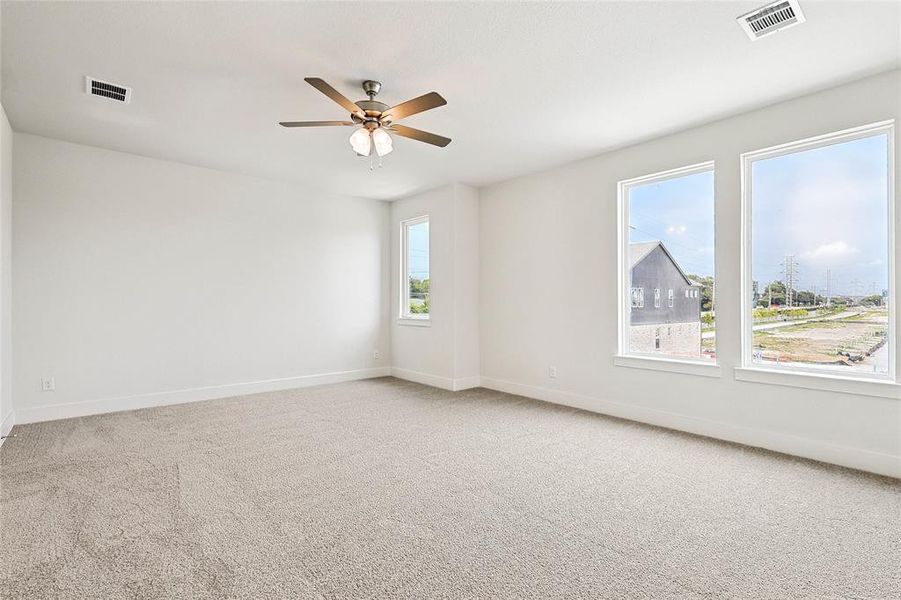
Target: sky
{"x": 418, "y": 246}
{"x": 678, "y": 212}
{"x": 828, "y": 207}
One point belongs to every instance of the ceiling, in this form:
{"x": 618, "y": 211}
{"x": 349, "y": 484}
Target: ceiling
{"x": 529, "y": 85}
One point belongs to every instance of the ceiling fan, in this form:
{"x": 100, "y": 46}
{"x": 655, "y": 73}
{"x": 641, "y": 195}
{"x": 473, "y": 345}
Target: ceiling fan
{"x": 376, "y": 118}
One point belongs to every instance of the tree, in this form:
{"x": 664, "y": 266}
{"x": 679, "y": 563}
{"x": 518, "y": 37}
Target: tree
{"x": 773, "y": 293}
{"x": 872, "y": 300}
{"x": 419, "y": 296}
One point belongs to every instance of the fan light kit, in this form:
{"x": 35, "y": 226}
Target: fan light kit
{"x": 376, "y": 119}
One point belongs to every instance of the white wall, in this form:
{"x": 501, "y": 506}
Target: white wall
{"x": 549, "y": 292}
{"x": 446, "y": 353}
{"x": 6, "y": 146}
{"x": 141, "y": 281}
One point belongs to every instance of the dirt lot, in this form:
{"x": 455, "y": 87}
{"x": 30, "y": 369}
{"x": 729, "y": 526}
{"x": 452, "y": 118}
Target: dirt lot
{"x": 826, "y": 342}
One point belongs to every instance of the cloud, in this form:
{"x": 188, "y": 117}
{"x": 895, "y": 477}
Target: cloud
{"x": 833, "y": 251}
{"x": 676, "y": 229}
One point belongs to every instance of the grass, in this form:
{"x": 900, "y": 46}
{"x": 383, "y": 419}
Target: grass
{"x": 823, "y": 341}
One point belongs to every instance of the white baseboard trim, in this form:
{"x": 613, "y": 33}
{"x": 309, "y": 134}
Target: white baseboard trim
{"x": 107, "y": 405}
{"x": 445, "y": 383}
{"x": 6, "y": 425}
{"x": 438, "y": 381}
{"x": 855, "y": 458}
{"x": 467, "y": 383}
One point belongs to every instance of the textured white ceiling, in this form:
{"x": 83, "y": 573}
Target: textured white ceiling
{"x": 529, "y": 85}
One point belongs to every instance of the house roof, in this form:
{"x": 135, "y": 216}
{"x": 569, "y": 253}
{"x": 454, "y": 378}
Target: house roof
{"x": 638, "y": 251}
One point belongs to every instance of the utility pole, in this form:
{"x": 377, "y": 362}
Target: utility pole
{"x": 828, "y": 287}
{"x": 790, "y": 270}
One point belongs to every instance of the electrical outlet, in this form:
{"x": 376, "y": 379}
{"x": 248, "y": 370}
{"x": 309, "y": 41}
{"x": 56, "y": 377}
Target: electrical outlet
{"x": 47, "y": 384}
{"x": 552, "y": 372}
{"x": 376, "y": 354}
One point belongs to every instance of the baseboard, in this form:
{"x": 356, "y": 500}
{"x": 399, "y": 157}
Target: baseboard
{"x": 445, "y": 383}
{"x": 107, "y": 405}
{"x": 438, "y": 381}
{"x": 466, "y": 383}
{"x": 6, "y": 425}
{"x": 855, "y": 458}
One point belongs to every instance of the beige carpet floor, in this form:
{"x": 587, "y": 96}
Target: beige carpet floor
{"x": 389, "y": 489}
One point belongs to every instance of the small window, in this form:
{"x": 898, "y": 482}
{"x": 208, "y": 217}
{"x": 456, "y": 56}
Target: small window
{"x": 686, "y": 293}
{"x": 415, "y": 299}
{"x": 670, "y": 297}
{"x": 657, "y": 339}
{"x": 638, "y": 297}
{"x": 656, "y": 297}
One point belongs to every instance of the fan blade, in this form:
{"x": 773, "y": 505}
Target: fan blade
{"x": 313, "y": 123}
{"x": 414, "y": 106}
{"x": 334, "y": 95}
{"x": 420, "y": 136}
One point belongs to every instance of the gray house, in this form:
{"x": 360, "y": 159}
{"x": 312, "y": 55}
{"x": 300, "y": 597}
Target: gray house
{"x": 665, "y": 304}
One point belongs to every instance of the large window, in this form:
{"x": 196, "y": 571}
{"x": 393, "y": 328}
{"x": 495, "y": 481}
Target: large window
{"x": 818, "y": 255}
{"x": 415, "y": 298}
{"x": 667, "y": 248}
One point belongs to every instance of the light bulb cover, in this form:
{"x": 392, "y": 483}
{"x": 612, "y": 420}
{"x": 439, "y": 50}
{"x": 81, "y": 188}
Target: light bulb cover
{"x": 361, "y": 141}
{"x": 382, "y": 141}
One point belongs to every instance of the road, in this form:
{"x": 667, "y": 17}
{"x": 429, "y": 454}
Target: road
{"x": 777, "y": 324}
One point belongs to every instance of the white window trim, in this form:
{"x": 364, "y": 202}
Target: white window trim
{"x": 700, "y": 366}
{"x": 404, "y": 316}
{"x": 671, "y": 365}
{"x": 813, "y": 377}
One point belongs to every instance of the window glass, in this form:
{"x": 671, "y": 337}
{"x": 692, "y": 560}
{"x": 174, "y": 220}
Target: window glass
{"x": 416, "y": 297}
{"x": 669, "y": 230}
{"x": 820, "y": 257}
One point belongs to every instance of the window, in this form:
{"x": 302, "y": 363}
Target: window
{"x": 667, "y": 245}
{"x": 415, "y": 299}
{"x": 818, "y": 236}
{"x": 637, "y": 297}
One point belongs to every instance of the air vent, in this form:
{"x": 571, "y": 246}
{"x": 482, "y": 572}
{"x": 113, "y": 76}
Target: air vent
{"x": 105, "y": 89}
{"x": 771, "y": 18}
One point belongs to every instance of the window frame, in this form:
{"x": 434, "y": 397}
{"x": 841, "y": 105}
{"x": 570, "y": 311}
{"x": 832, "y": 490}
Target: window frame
{"x": 748, "y": 367}
{"x": 692, "y": 366}
{"x": 405, "y": 317}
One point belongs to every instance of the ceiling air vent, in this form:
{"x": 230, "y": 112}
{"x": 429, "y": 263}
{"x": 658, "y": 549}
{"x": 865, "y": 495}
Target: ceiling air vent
{"x": 105, "y": 89}
{"x": 771, "y": 18}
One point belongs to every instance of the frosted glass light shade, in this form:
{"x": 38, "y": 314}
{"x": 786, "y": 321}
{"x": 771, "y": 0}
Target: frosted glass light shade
{"x": 361, "y": 142}
{"x": 383, "y": 142}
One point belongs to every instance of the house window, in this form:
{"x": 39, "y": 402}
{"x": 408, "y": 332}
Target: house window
{"x": 818, "y": 236}
{"x": 415, "y": 301}
{"x": 637, "y": 297}
{"x": 666, "y": 238}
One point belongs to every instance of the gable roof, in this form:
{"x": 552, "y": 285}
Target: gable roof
{"x": 638, "y": 251}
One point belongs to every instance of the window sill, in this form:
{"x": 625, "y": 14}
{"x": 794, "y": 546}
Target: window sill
{"x": 411, "y": 322}
{"x": 671, "y": 365}
{"x": 824, "y": 382}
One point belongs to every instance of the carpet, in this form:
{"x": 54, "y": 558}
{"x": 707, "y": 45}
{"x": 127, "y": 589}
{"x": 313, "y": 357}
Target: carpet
{"x": 389, "y": 489}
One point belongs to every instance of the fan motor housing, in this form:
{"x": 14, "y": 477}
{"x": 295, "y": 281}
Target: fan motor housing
{"x": 373, "y": 109}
